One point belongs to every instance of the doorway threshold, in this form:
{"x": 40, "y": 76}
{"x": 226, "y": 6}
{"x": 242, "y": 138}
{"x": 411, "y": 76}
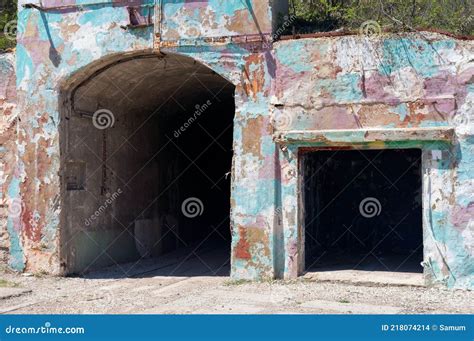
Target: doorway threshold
{"x": 363, "y": 277}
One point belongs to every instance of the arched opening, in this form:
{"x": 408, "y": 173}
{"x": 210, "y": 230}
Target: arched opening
{"x": 146, "y": 145}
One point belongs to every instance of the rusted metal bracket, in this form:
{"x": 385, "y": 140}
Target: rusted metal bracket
{"x": 136, "y": 20}
{"x": 130, "y": 26}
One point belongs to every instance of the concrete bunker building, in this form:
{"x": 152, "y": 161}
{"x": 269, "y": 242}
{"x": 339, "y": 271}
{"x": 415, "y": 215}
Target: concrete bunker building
{"x": 133, "y": 128}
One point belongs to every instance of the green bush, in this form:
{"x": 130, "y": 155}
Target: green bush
{"x": 455, "y": 16}
{"x": 8, "y": 13}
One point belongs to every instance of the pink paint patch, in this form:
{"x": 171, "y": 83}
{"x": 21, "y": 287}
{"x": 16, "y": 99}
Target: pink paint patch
{"x": 332, "y": 117}
{"x": 374, "y": 87}
{"x": 54, "y": 3}
{"x": 462, "y": 215}
{"x": 270, "y": 168}
{"x": 443, "y": 84}
{"x": 196, "y": 4}
{"x": 467, "y": 76}
{"x": 445, "y": 106}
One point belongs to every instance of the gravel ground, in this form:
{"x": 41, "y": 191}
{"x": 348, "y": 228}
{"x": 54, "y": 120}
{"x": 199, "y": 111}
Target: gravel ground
{"x": 199, "y": 290}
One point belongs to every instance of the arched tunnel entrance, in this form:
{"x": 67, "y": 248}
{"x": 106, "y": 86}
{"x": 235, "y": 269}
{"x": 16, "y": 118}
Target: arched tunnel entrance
{"x": 146, "y": 148}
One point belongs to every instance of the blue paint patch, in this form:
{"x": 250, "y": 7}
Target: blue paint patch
{"x": 413, "y": 53}
{"x": 294, "y": 57}
{"x": 103, "y": 16}
{"x": 16, "y": 260}
{"x": 345, "y": 88}
{"x": 402, "y": 111}
{"x": 24, "y": 64}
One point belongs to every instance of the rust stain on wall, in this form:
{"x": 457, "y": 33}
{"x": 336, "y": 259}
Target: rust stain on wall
{"x": 241, "y": 250}
{"x": 251, "y": 142}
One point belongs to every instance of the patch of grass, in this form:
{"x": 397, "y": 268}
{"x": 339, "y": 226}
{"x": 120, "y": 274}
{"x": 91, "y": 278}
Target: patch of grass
{"x": 237, "y": 282}
{"x": 7, "y": 284}
{"x": 270, "y": 281}
{"x": 41, "y": 274}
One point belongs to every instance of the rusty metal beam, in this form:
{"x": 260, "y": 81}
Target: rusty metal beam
{"x": 330, "y": 34}
{"x": 75, "y": 6}
{"x": 351, "y": 136}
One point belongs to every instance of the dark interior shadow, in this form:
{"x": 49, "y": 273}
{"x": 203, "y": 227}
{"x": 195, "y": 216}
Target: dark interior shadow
{"x": 362, "y": 262}
{"x": 205, "y": 258}
{"x": 363, "y": 210}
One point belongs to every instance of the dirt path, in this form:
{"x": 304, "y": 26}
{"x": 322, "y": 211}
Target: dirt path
{"x": 199, "y": 285}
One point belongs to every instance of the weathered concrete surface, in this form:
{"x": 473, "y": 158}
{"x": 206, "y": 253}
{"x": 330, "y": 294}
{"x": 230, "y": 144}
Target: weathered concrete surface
{"x": 6, "y": 293}
{"x": 367, "y": 277}
{"x": 215, "y": 18}
{"x": 158, "y": 293}
{"x": 353, "y": 83}
{"x": 360, "y": 84}
{"x": 345, "y": 308}
{"x": 8, "y": 121}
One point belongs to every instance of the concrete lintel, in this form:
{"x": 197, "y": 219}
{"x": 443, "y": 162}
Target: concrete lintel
{"x": 351, "y": 136}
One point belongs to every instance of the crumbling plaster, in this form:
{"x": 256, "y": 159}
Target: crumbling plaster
{"x": 393, "y": 91}
{"x": 7, "y": 150}
{"x": 416, "y": 80}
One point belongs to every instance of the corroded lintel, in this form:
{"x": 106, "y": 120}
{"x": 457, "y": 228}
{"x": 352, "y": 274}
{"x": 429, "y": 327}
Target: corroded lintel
{"x": 264, "y": 39}
{"x": 350, "y": 136}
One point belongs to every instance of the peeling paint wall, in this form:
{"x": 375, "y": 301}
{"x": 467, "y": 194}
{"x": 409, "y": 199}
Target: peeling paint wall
{"x": 51, "y": 47}
{"x": 56, "y": 44}
{"x": 7, "y": 150}
{"x": 184, "y": 20}
{"x": 377, "y": 92}
{"x": 386, "y": 92}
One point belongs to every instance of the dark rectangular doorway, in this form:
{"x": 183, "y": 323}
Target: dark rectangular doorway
{"x": 363, "y": 210}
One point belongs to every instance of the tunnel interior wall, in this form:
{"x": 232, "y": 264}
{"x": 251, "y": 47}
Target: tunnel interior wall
{"x": 136, "y": 150}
